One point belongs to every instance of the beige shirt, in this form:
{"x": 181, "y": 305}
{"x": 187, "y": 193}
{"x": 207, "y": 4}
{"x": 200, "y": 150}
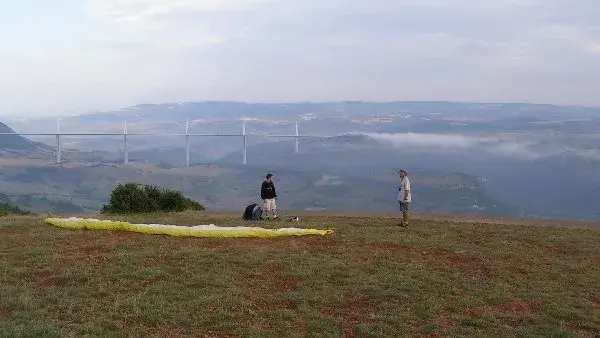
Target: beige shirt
{"x": 405, "y": 186}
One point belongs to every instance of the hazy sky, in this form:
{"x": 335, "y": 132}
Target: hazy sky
{"x": 66, "y": 56}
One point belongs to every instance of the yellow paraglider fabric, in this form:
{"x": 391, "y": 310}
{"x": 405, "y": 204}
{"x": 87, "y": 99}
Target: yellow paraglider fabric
{"x": 210, "y": 230}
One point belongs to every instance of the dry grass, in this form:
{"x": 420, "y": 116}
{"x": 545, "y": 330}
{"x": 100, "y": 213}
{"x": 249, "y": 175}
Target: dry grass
{"x": 369, "y": 279}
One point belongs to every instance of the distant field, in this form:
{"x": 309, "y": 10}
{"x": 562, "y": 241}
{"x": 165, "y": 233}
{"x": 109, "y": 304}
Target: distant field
{"x": 369, "y": 279}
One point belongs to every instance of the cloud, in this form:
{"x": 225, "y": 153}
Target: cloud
{"x": 477, "y": 145}
{"x": 140, "y": 51}
{"x": 593, "y": 47}
{"x": 146, "y": 11}
{"x": 448, "y": 143}
{"x": 449, "y": 50}
{"x": 430, "y": 140}
{"x": 174, "y": 24}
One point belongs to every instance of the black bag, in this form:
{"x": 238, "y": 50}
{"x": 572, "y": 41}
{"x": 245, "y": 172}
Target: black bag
{"x": 253, "y": 212}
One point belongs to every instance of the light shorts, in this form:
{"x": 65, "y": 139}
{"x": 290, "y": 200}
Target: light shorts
{"x": 270, "y": 204}
{"x": 403, "y": 206}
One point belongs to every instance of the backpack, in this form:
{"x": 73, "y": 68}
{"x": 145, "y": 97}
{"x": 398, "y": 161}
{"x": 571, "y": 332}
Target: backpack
{"x": 253, "y": 212}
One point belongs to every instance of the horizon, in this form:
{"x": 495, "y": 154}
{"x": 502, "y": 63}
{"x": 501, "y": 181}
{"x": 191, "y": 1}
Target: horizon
{"x": 69, "y": 57}
{"x": 113, "y": 110}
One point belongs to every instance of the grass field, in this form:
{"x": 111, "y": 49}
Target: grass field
{"x": 369, "y": 279}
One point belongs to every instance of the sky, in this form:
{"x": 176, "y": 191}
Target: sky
{"x": 78, "y": 56}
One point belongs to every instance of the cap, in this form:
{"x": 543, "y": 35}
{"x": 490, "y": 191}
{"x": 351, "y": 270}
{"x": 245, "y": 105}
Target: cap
{"x": 269, "y": 175}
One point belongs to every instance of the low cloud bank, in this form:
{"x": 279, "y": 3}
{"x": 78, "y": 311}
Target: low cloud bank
{"x": 521, "y": 148}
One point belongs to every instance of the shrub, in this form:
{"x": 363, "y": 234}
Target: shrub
{"x": 7, "y": 209}
{"x": 165, "y": 165}
{"x": 135, "y": 198}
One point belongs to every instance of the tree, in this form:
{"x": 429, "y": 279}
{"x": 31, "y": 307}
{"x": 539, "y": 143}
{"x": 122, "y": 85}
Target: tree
{"x": 135, "y": 198}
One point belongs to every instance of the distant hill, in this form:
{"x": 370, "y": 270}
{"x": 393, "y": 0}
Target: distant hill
{"x": 325, "y": 118}
{"x": 16, "y": 145}
{"x": 233, "y": 109}
{"x": 13, "y": 141}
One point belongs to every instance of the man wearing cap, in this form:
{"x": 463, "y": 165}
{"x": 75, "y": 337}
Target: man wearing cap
{"x": 269, "y": 195}
{"x": 404, "y": 196}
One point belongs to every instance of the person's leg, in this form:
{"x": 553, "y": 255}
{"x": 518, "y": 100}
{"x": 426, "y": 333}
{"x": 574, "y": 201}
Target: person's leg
{"x": 405, "y": 213}
{"x": 274, "y": 208}
{"x": 267, "y": 208}
{"x": 404, "y": 210}
{"x": 401, "y": 207}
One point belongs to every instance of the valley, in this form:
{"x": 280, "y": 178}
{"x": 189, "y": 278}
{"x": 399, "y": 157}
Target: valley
{"x": 501, "y": 159}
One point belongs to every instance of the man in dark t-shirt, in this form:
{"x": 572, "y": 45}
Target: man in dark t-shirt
{"x": 269, "y": 196}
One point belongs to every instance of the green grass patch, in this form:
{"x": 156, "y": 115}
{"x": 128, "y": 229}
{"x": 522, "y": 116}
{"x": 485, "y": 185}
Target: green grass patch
{"x": 369, "y": 279}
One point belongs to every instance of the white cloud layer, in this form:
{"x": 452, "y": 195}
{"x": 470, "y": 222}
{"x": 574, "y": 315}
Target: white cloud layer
{"x": 453, "y": 143}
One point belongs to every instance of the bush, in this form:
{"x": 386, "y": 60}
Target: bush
{"x": 135, "y": 198}
{"x": 165, "y": 165}
{"x": 7, "y": 209}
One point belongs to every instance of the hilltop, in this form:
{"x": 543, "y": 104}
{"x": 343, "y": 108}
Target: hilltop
{"x": 369, "y": 279}
{"x": 19, "y": 146}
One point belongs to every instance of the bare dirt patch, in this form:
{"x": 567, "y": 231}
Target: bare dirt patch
{"x": 565, "y": 249}
{"x": 268, "y": 278}
{"x": 520, "y": 307}
{"x": 458, "y": 260}
{"x": 81, "y": 252}
{"x": 361, "y": 311}
{"x": 512, "y": 264}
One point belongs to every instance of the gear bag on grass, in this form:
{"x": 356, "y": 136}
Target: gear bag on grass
{"x": 253, "y": 212}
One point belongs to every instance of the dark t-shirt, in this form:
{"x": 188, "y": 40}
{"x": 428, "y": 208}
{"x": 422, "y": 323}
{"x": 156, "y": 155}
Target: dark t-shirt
{"x": 267, "y": 190}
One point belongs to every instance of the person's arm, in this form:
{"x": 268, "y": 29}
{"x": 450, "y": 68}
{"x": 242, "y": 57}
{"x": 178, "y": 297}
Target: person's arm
{"x": 274, "y": 191}
{"x": 406, "y": 190}
{"x": 263, "y": 190}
